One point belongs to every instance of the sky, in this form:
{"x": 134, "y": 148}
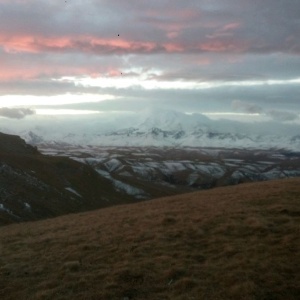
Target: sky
{"x": 226, "y": 59}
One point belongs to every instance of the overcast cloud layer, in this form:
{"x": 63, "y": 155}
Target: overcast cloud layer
{"x": 206, "y": 56}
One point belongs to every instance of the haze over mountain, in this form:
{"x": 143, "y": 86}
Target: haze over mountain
{"x": 155, "y": 127}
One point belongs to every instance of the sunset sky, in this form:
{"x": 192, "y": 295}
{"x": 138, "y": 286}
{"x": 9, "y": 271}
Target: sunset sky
{"x": 217, "y": 57}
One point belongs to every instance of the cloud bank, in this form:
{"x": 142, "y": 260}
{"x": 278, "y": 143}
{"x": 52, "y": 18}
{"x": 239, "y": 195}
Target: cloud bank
{"x": 16, "y": 113}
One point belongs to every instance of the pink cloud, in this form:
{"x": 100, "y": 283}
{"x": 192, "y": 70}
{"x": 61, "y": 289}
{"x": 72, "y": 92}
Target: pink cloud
{"x": 106, "y": 46}
{"x": 173, "y": 47}
{"x": 226, "y": 46}
{"x": 33, "y": 44}
{"x": 231, "y": 26}
{"x": 113, "y": 72}
{"x": 82, "y": 44}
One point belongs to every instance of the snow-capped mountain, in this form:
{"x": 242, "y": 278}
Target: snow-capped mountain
{"x": 153, "y": 127}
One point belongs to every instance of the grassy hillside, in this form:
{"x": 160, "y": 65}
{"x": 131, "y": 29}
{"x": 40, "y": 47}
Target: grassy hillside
{"x": 239, "y": 242}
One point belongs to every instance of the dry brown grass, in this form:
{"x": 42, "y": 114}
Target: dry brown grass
{"x": 239, "y": 242}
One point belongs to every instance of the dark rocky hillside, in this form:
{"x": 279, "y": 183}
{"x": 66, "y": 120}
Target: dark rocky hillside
{"x": 13, "y": 144}
{"x": 34, "y": 186}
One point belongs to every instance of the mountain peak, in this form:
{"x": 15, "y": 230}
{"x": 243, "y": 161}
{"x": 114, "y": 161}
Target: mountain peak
{"x": 169, "y": 119}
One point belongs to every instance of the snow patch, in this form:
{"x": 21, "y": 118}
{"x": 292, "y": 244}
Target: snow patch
{"x": 27, "y": 206}
{"x": 192, "y": 178}
{"x": 113, "y": 165}
{"x": 129, "y": 189}
{"x": 3, "y": 208}
{"x": 73, "y": 191}
{"x": 121, "y": 186}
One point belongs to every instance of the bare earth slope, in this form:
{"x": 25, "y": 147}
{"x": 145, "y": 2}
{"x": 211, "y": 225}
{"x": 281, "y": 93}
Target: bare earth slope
{"x": 238, "y": 242}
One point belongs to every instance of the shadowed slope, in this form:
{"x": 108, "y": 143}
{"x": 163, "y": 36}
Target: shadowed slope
{"x": 13, "y": 144}
{"x": 35, "y": 186}
{"x": 239, "y": 242}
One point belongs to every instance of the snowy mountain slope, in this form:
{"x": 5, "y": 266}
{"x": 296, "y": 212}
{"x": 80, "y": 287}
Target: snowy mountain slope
{"x": 152, "y": 127}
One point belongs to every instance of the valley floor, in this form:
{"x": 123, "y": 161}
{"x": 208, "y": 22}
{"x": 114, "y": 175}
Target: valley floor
{"x": 238, "y": 242}
{"x": 152, "y": 172}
